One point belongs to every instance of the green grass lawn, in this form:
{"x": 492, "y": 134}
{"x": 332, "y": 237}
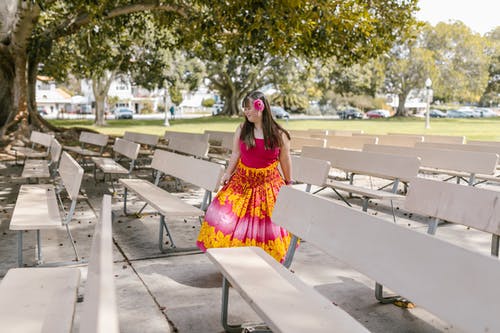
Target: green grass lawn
{"x": 473, "y": 129}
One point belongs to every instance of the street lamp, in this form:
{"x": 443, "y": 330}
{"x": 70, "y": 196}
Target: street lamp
{"x": 428, "y": 85}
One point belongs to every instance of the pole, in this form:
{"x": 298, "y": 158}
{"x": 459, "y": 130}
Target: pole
{"x": 427, "y": 110}
{"x": 165, "y": 123}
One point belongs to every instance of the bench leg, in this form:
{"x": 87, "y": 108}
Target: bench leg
{"x": 125, "y": 192}
{"x": 20, "y": 248}
{"x": 431, "y": 230}
{"x": 77, "y": 258}
{"x": 39, "y": 247}
{"x": 379, "y": 295}
{"x": 164, "y": 225}
{"x": 291, "y": 251}
{"x": 340, "y": 196}
{"x": 365, "y": 204}
{"x": 495, "y": 244}
{"x": 319, "y": 190}
{"x": 393, "y": 212}
{"x": 225, "y": 304}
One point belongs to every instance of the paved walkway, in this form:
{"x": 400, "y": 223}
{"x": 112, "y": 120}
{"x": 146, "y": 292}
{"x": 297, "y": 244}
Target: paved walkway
{"x": 181, "y": 293}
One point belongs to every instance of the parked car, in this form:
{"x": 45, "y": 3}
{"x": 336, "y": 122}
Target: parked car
{"x": 41, "y": 110}
{"x": 485, "y": 113}
{"x": 123, "y": 113}
{"x": 217, "y": 108}
{"x": 379, "y": 113}
{"x": 437, "y": 114}
{"x": 459, "y": 114}
{"x": 279, "y": 113}
{"x": 350, "y": 114}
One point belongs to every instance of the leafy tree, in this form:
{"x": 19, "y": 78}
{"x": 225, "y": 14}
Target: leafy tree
{"x": 491, "y": 95}
{"x": 461, "y": 61}
{"x": 349, "y": 30}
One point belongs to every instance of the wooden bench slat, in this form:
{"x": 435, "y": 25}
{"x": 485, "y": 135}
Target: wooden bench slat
{"x": 36, "y": 208}
{"x": 108, "y": 165}
{"x": 284, "y": 302}
{"x": 82, "y": 151}
{"x": 35, "y": 169}
{"x": 34, "y": 300}
{"x": 164, "y": 202}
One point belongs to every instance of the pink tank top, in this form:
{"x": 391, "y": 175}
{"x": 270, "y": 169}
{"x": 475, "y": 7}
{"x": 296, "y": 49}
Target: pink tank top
{"x": 258, "y": 156}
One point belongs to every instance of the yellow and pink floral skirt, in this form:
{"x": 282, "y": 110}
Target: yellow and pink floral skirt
{"x": 240, "y": 214}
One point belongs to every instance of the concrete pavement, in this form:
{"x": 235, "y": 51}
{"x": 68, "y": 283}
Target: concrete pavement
{"x": 181, "y": 293}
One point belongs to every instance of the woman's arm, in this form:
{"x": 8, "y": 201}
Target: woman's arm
{"x": 235, "y": 156}
{"x": 285, "y": 160}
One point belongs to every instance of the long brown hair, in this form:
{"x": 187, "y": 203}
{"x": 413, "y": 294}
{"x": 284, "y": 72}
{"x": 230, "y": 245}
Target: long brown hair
{"x": 270, "y": 128}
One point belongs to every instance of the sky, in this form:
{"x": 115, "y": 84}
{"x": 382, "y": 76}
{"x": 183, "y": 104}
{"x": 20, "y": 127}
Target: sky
{"x": 479, "y": 15}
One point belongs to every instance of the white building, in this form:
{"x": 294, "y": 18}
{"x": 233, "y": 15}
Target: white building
{"x": 50, "y": 99}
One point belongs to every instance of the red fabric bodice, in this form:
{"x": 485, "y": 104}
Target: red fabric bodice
{"x": 258, "y": 156}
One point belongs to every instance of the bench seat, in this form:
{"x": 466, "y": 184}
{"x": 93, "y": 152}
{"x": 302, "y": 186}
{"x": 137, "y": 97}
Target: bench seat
{"x": 36, "y": 208}
{"x": 46, "y": 298}
{"x": 29, "y": 152}
{"x": 283, "y": 301}
{"x": 108, "y": 165}
{"x": 363, "y": 191}
{"x": 165, "y": 203}
{"x": 35, "y": 169}
{"x": 82, "y": 151}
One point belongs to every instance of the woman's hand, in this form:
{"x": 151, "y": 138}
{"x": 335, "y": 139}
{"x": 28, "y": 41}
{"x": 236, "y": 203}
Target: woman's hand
{"x": 225, "y": 178}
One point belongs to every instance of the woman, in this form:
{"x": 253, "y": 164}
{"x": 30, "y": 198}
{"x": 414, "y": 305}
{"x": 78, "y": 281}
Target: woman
{"x": 240, "y": 214}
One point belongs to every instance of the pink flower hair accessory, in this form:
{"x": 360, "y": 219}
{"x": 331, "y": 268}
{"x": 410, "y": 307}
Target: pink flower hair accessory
{"x": 258, "y": 105}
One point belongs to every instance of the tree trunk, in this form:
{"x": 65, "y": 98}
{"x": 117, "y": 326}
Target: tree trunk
{"x": 100, "y": 87}
{"x": 402, "y": 112}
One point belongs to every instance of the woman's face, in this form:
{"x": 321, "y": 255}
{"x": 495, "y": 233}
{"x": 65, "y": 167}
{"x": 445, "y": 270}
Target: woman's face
{"x": 252, "y": 115}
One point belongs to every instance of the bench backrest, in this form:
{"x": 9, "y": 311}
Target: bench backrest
{"x": 99, "y": 313}
{"x": 201, "y": 173}
{"x": 457, "y": 160}
{"x": 40, "y": 138}
{"x": 219, "y": 138}
{"x": 439, "y": 138}
{"x": 126, "y": 148}
{"x": 310, "y": 170}
{"x": 297, "y": 142}
{"x": 367, "y": 163}
{"x": 300, "y": 133}
{"x": 486, "y": 143}
{"x": 55, "y": 151}
{"x": 95, "y": 139}
{"x": 400, "y": 140}
{"x": 434, "y": 274}
{"x": 71, "y": 175}
{"x": 349, "y": 142}
{"x": 142, "y": 138}
{"x": 477, "y": 208}
{"x": 456, "y": 146}
{"x": 188, "y": 143}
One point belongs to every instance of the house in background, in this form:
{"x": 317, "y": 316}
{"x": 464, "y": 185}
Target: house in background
{"x": 50, "y": 99}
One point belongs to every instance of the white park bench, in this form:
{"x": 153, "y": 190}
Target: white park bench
{"x": 457, "y": 164}
{"x": 349, "y": 142}
{"x": 43, "y": 299}
{"x": 40, "y": 168}
{"x": 221, "y": 145}
{"x": 454, "y": 139}
{"x": 110, "y": 166}
{"x": 37, "y": 206}
{"x": 455, "y": 284}
{"x": 297, "y": 142}
{"x": 194, "y": 144}
{"x": 37, "y": 139}
{"x": 148, "y": 144}
{"x": 201, "y": 173}
{"x": 391, "y": 167}
{"x": 482, "y": 142}
{"x": 470, "y": 206}
{"x": 89, "y": 140}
